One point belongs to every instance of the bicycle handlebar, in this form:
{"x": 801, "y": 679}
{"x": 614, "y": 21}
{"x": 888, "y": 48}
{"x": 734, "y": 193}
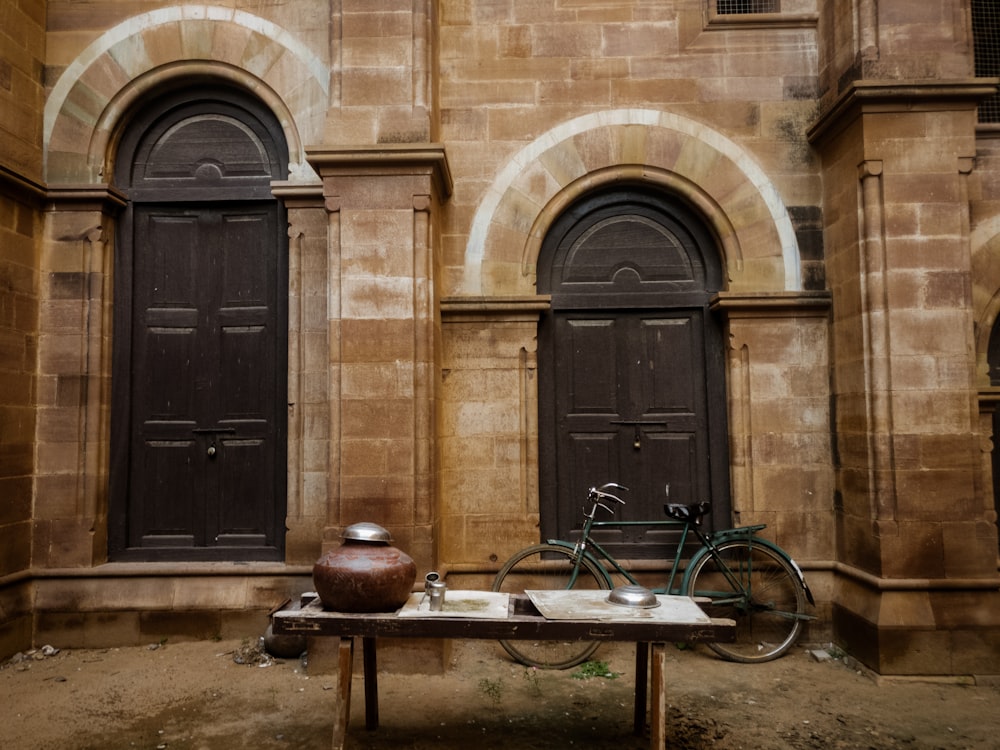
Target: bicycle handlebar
{"x": 596, "y": 494}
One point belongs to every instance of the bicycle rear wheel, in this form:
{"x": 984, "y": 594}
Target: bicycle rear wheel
{"x": 767, "y": 605}
{"x": 548, "y": 567}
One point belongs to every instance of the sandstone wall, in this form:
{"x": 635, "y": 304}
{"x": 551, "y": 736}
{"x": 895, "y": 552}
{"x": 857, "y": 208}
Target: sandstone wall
{"x": 22, "y": 55}
{"x": 830, "y": 148}
{"x": 540, "y": 102}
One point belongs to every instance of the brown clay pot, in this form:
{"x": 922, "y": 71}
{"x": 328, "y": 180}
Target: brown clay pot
{"x": 364, "y": 574}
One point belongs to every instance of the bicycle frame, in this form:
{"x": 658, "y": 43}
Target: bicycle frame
{"x": 733, "y": 573}
{"x": 587, "y": 547}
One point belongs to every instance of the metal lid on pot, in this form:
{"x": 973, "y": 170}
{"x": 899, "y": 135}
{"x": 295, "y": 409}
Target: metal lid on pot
{"x": 366, "y": 532}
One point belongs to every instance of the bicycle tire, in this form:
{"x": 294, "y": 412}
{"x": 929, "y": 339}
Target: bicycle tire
{"x": 767, "y": 624}
{"x": 548, "y": 567}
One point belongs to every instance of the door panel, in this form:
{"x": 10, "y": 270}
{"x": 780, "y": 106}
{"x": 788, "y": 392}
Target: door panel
{"x": 631, "y": 408}
{"x": 204, "y": 412}
{"x": 165, "y": 524}
{"x": 589, "y": 384}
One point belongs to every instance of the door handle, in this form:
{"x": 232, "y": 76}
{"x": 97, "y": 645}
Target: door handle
{"x": 211, "y": 451}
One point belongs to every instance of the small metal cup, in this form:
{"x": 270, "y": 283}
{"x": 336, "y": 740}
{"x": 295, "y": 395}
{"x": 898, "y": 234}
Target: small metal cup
{"x": 436, "y": 590}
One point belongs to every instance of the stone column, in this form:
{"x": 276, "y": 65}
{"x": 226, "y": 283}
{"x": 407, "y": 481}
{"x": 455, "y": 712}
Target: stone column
{"x": 383, "y": 316}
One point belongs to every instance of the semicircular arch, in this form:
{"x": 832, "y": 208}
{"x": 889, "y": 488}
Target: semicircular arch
{"x": 172, "y": 44}
{"x": 116, "y": 117}
{"x": 713, "y": 173}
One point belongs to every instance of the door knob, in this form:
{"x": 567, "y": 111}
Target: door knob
{"x": 211, "y": 451}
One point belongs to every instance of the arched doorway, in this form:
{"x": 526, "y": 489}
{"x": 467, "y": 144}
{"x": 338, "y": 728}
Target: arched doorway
{"x": 200, "y": 349}
{"x": 631, "y": 379}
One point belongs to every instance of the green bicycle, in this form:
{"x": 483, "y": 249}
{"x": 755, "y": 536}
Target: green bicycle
{"x": 735, "y": 573}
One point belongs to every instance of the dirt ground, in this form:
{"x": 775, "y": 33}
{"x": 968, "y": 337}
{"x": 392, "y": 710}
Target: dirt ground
{"x": 194, "y": 695}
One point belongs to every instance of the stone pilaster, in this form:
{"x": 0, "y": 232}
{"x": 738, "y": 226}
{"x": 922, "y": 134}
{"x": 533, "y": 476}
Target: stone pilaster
{"x": 308, "y": 369}
{"x": 382, "y": 82}
{"x": 74, "y": 377}
{"x": 916, "y": 548}
{"x": 383, "y": 205}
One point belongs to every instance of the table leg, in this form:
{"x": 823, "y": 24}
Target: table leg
{"x": 371, "y": 683}
{"x": 658, "y": 700}
{"x": 641, "y": 678}
{"x": 342, "y": 699}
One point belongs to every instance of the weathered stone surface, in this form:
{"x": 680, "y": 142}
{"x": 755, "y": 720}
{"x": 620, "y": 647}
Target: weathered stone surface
{"x": 838, "y": 154}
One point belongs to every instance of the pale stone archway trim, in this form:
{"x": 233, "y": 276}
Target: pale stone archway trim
{"x": 726, "y": 174}
{"x": 269, "y": 59}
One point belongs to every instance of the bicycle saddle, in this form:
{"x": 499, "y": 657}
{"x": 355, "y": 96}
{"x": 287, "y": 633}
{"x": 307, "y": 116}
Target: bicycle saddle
{"x": 687, "y": 513}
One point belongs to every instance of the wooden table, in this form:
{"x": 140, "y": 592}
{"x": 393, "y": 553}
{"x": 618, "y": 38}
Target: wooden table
{"x": 521, "y": 622}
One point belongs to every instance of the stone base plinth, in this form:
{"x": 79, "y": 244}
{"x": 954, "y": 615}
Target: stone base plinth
{"x": 920, "y": 631}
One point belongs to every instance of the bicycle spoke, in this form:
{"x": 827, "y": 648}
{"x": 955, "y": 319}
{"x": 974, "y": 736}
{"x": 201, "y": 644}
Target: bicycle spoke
{"x": 548, "y": 567}
{"x": 764, "y": 597}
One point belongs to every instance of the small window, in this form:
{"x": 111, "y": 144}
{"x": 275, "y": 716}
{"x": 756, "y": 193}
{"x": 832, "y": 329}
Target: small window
{"x": 986, "y": 41}
{"x": 744, "y": 7}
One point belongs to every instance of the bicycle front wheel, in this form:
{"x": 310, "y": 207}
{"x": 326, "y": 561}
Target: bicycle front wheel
{"x": 548, "y": 567}
{"x": 761, "y": 592}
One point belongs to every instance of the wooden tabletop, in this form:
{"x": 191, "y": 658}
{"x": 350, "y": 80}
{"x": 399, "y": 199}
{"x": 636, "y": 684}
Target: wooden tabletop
{"x": 523, "y": 621}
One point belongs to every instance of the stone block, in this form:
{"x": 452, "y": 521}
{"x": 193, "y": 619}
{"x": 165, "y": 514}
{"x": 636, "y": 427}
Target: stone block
{"x": 15, "y": 635}
{"x": 204, "y": 593}
{"x": 914, "y": 652}
{"x": 394, "y": 337}
{"x": 376, "y": 419}
{"x": 566, "y": 40}
{"x": 15, "y": 547}
{"x": 364, "y": 52}
{"x": 249, "y": 624}
{"x": 976, "y": 652}
{"x": 65, "y": 542}
{"x": 178, "y": 625}
{"x": 915, "y": 551}
{"x": 366, "y": 296}
{"x": 103, "y": 594}
{"x": 16, "y": 508}
{"x": 265, "y": 593}
{"x": 377, "y": 381}
{"x": 371, "y": 86}
{"x": 88, "y": 629}
{"x": 561, "y": 93}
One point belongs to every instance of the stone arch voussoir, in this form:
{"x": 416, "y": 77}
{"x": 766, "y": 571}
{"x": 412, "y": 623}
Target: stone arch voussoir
{"x": 713, "y": 174}
{"x": 151, "y": 50}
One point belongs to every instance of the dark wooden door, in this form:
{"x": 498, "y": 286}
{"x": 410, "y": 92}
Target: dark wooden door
{"x": 199, "y": 391}
{"x": 631, "y": 366}
{"x": 204, "y": 350}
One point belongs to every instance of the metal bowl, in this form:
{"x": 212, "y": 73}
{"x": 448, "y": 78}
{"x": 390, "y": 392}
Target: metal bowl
{"x": 631, "y": 595}
{"x": 366, "y": 532}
